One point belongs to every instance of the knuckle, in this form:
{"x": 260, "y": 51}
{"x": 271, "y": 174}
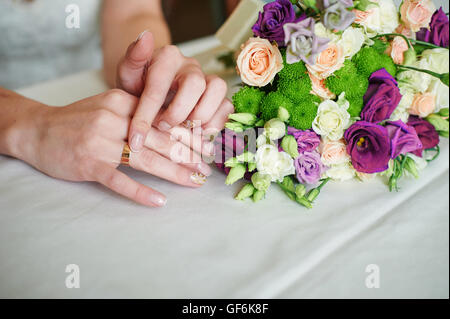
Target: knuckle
{"x": 193, "y": 62}
{"x": 114, "y": 181}
{"x": 217, "y": 84}
{"x": 99, "y": 118}
{"x": 115, "y": 96}
{"x": 171, "y": 51}
{"x": 195, "y": 81}
{"x": 148, "y": 159}
{"x": 228, "y": 106}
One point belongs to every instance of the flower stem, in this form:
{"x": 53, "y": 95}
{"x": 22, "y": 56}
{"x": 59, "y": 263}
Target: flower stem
{"x": 426, "y": 44}
{"x": 437, "y": 149}
{"x": 436, "y": 75}
{"x": 396, "y": 35}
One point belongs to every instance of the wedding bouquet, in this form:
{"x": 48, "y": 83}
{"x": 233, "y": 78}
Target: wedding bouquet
{"x": 336, "y": 90}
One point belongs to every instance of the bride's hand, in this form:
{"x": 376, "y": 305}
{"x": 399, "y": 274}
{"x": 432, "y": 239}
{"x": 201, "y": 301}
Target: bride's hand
{"x": 172, "y": 89}
{"x": 84, "y": 142}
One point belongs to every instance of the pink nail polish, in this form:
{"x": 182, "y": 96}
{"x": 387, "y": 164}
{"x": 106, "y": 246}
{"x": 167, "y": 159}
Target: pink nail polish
{"x": 158, "y": 201}
{"x": 137, "y": 142}
{"x": 164, "y": 126}
{"x": 204, "y": 169}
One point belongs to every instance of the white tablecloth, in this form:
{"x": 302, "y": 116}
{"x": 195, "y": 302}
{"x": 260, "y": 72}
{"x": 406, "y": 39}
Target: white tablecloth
{"x": 206, "y": 245}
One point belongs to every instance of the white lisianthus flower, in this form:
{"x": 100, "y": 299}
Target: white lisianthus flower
{"x": 275, "y": 129}
{"x": 435, "y": 60}
{"x": 352, "y": 41}
{"x": 321, "y": 31}
{"x": 332, "y": 118}
{"x": 271, "y": 162}
{"x": 440, "y": 90}
{"x": 341, "y": 172}
{"x": 401, "y": 112}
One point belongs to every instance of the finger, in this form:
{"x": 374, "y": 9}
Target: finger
{"x": 215, "y": 92}
{"x": 170, "y": 148}
{"x": 153, "y": 163}
{"x": 159, "y": 79}
{"x": 120, "y": 183}
{"x": 219, "y": 119}
{"x": 191, "y": 86}
{"x": 132, "y": 68}
{"x": 196, "y": 142}
{"x": 119, "y": 102}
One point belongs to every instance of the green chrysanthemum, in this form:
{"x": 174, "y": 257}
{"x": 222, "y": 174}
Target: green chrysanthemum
{"x": 292, "y": 71}
{"x": 304, "y": 113}
{"x": 272, "y": 102}
{"x": 295, "y": 89}
{"x": 348, "y": 80}
{"x": 248, "y": 100}
{"x": 356, "y": 106}
{"x": 368, "y": 60}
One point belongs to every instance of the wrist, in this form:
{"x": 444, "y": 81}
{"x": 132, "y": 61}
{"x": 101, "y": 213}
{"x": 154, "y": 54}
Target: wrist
{"x": 25, "y": 132}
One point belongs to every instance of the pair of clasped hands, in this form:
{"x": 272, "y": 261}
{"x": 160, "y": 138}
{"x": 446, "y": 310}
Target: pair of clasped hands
{"x": 159, "y": 94}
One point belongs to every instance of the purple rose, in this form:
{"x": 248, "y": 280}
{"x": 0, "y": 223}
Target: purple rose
{"x": 369, "y": 147}
{"x": 307, "y": 140}
{"x": 438, "y": 33}
{"x": 309, "y": 167}
{"x": 403, "y": 137}
{"x": 426, "y": 132}
{"x": 382, "y": 97}
{"x": 271, "y": 21}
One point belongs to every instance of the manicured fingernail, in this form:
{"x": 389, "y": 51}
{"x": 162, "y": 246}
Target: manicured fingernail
{"x": 159, "y": 201}
{"x": 208, "y": 148}
{"x": 141, "y": 36}
{"x": 198, "y": 178}
{"x": 164, "y": 126}
{"x": 204, "y": 169}
{"x": 137, "y": 142}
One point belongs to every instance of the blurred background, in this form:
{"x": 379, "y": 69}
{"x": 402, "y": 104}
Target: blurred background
{"x": 192, "y": 19}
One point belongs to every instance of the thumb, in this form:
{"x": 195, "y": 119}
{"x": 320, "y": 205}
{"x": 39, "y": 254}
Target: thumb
{"x": 132, "y": 67}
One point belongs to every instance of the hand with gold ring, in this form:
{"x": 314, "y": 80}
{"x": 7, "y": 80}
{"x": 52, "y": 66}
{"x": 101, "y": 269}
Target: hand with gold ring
{"x": 87, "y": 141}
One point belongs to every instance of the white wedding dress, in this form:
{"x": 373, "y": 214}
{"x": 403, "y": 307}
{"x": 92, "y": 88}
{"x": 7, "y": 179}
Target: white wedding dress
{"x": 37, "y": 45}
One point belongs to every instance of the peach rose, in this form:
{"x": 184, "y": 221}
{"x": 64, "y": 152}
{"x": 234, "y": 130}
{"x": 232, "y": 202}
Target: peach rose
{"x": 362, "y": 16}
{"x": 259, "y": 62}
{"x": 423, "y": 104}
{"x": 328, "y": 61}
{"x": 402, "y": 29}
{"x": 417, "y": 14}
{"x": 396, "y": 49}
{"x": 319, "y": 88}
{"x": 334, "y": 152}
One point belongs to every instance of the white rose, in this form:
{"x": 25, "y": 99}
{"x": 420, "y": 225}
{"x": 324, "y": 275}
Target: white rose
{"x": 418, "y": 82}
{"x": 379, "y": 18}
{"x": 271, "y": 162}
{"x": 341, "y": 172}
{"x": 401, "y": 112}
{"x": 352, "y": 41}
{"x": 332, "y": 119}
{"x": 275, "y": 129}
{"x": 440, "y": 90}
{"x": 435, "y": 60}
{"x": 388, "y": 16}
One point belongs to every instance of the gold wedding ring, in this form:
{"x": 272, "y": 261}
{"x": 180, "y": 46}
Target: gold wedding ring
{"x": 125, "y": 160}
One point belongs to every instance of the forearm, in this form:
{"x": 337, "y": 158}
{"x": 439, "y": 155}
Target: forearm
{"x": 19, "y": 123}
{"x": 119, "y": 35}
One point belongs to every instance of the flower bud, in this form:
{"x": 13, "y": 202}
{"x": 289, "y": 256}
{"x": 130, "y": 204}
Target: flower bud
{"x": 303, "y": 201}
{"x": 231, "y": 162}
{"x": 251, "y": 166}
{"x": 444, "y": 112}
{"x": 409, "y": 56}
{"x": 300, "y": 190}
{"x": 290, "y": 146}
{"x": 283, "y": 114}
{"x": 440, "y": 124}
{"x": 258, "y": 195}
{"x": 312, "y": 195}
{"x": 246, "y": 157}
{"x": 261, "y": 181}
{"x": 234, "y": 126}
{"x": 410, "y": 166}
{"x": 275, "y": 129}
{"x": 235, "y": 174}
{"x": 243, "y": 118}
{"x": 246, "y": 192}
{"x": 260, "y": 123}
